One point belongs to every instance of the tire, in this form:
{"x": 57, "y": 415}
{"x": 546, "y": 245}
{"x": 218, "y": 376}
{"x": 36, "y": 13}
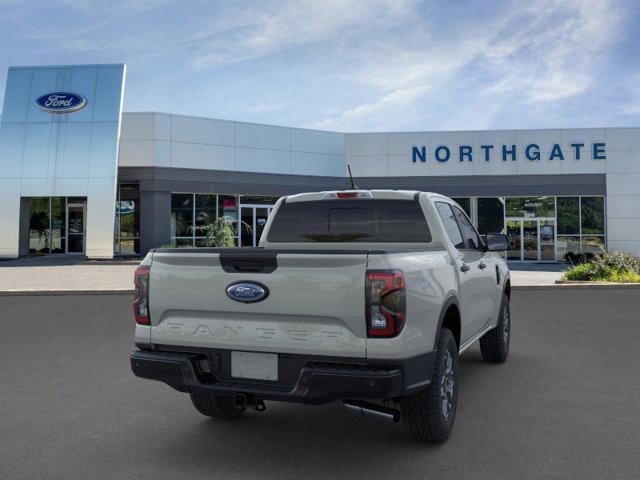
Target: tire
{"x": 216, "y": 406}
{"x": 425, "y": 413}
{"x": 494, "y": 345}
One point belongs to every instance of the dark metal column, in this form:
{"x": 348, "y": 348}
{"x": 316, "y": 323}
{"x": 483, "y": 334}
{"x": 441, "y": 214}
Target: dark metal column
{"x": 23, "y": 238}
{"x": 155, "y": 218}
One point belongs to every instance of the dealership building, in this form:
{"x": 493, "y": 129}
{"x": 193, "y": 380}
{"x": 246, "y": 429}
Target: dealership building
{"x": 80, "y": 176}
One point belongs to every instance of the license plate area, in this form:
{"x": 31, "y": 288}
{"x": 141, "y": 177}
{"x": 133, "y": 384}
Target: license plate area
{"x": 255, "y": 366}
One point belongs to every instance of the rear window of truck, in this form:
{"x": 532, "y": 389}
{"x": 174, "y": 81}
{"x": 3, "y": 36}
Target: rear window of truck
{"x": 357, "y": 220}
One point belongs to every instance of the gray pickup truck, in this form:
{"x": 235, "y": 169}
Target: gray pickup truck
{"x": 366, "y": 297}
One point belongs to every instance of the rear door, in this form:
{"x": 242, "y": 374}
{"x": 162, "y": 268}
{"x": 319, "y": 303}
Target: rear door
{"x": 467, "y": 262}
{"x": 486, "y": 278}
{"x": 485, "y": 274}
{"x": 315, "y": 301}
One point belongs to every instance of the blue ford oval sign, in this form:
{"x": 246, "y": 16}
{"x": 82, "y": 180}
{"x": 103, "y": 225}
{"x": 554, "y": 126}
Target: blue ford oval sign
{"x": 61, "y": 102}
{"x": 247, "y": 292}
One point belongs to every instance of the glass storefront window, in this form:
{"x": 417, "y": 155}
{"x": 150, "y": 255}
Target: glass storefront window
{"x": 192, "y": 210}
{"x": 201, "y": 242}
{"x": 567, "y": 244}
{"x": 189, "y": 211}
{"x": 182, "y": 242}
{"x": 129, "y": 209}
{"x": 181, "y": 214}
{"x": 127, "y": 226}
{"x": 593, "y": 244}
{"x": 228, "y": 208}
{"x": 58, "y": 245}
{"x": 490, "y": 215}
{"x": 580, "y": 223}
{"x": 129, "y": 246}
{"x": 48, "y": 229}
{"x": 58, "y": 216}
{"x": 38, "y": 245}
{"x": 39, "y": 225}
{"x": 258, "y": 200}
{"x": 514, "y": 207}
{"x": 530, "y": 207}
{"x": 205, "y": 210}
{"x": 568, "y": 215}
{"x": 246, "y": 226}
{"x": 514, "y": 235}
{"x": 592, "y": 214}
{"x": 204, "y": 214}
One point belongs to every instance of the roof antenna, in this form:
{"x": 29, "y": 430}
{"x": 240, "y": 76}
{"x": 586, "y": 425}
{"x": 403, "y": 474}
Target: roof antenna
{"x": 353, "y": 185}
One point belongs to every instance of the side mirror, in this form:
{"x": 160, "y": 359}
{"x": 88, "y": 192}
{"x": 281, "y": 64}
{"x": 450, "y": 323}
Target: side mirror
{"x": 497, "y": 242}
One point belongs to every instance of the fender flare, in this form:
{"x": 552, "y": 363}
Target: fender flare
{"x": 506, "y": 281}
{"x": 450, "y": 300}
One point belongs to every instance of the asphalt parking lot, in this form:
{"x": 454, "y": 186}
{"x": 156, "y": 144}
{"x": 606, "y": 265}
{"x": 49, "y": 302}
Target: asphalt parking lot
{"x": 565, "y": 405}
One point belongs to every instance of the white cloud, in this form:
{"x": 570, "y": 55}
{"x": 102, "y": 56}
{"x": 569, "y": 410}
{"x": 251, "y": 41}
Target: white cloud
{"x": 401, "y": 97}
{"x": 534, "y": 55}
{"x": 551, "y": 57}
{"x": 283, "y": 25}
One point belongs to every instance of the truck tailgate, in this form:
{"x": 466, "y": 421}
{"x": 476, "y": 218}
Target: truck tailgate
{"x": 315, "y": 303}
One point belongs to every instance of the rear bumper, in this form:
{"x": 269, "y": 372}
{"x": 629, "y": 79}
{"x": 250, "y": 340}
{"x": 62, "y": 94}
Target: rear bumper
{"x": 317, "y": 382}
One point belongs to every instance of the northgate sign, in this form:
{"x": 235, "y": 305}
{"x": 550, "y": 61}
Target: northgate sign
{"x": 531, "y": 152}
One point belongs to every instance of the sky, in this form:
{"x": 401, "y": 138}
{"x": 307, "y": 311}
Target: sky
{"x": 351, "y": 65}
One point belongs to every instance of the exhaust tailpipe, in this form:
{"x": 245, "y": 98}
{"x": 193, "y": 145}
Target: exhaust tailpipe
{"x": 366, "y": 408}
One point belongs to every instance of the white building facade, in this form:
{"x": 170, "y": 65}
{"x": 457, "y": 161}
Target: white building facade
{"x": 554, "y": 192}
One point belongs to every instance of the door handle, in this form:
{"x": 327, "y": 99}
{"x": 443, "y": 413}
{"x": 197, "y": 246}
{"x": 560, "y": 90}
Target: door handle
{"x": 464, "y": 267}
{"x": 482, "y": 266}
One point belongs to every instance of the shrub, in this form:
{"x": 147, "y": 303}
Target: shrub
{"x": 624, "y": 277}
{"x": 617, "y": 260}
{"x": 582, "y": 271}
{"x": 615, "y": 266}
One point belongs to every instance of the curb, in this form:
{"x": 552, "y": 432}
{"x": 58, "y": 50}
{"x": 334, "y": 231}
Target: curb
{"x": 22, "y": 293}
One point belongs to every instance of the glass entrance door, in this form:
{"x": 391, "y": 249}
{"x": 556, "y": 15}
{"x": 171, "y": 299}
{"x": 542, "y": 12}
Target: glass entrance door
{"x": 514, "y": 234}
{"x": 75, "y": 227}
{"x": 531, "y": 239}
{"x": 547, "y": 229}
{"x": 254, "y": 219}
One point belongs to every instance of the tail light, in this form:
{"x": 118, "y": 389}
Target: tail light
{"x": 141, "y": 302}
{"x": 385, "y": 303}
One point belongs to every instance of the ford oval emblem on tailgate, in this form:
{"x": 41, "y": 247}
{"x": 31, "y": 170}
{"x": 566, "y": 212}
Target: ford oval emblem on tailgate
{"x": 247, "y": 292}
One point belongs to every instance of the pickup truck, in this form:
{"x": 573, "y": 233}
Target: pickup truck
{"x": 364, "y": 297}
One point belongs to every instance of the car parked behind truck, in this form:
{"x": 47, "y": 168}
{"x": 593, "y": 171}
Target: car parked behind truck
{"x": 364, "y": 297}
